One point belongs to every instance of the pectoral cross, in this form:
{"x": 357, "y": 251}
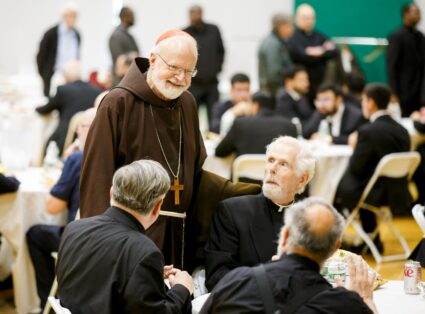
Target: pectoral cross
{"x": 176, "y": 188}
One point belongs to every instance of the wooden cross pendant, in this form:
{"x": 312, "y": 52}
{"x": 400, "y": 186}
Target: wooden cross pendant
{"x": 176, "y": 188}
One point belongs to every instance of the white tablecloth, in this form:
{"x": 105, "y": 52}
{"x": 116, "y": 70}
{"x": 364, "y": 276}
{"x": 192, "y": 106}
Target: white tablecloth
{"x": 24, "y": 132}
{"x": 18, "y": 212}
{"x": 389, "y": 299}
{"x": 332, "y": 160}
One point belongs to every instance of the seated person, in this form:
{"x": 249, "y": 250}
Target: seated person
{"x": 264, "y": 126}
{"x": 72, "y": 97}
{"x": 375, "y": 140}
{"x": 353, "y": 88}
{"x": 239, "y": 96}
{"x": 8, "y": 184}
{"x": 293, "y": 284}
{"x": 291, "y": 100}
{"x": 342, "y": 120}
{"x": 418, "y": 118}
{"x": 244, "y": 229}
{"x": 106, "y": 263}
{"x": 42, "y": 240}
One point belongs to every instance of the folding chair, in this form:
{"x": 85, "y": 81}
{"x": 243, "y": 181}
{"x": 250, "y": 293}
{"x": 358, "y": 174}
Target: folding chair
{"x": 72, "y": 129}
{"x": 57, "y": 307}
{"x": 419, "y": 215}
{"x": 396, "y": 165}
{"x": 249, "y": 166}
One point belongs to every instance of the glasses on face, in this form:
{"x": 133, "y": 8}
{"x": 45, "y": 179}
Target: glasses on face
{"x": 176, "y": 70}
{"x": 323, "y": 101}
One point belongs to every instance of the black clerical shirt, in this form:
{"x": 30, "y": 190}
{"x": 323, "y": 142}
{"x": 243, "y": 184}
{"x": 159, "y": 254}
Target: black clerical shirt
{"x": 107, "y": 265}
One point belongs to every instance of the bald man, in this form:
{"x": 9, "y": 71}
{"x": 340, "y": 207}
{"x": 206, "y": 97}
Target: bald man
{"x": 293, "y": 284}
{"x": 150, "y": 115}
{"x": 310, "y": 47}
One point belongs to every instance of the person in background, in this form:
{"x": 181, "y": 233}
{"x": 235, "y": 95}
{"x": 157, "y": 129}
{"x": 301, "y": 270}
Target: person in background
{"x": 341, "y": 120}
{"x": 291, "y": 100}
{"x": 72, "y": 97}
{"x": 264, "y": 126}
{"x": 293, "y": 283}
{"x": 42, "y": 240}
{"x": 406, "y": 61}
{"x": 353, "y": 88}
{"x": 122, "y": 65}
{"x": 237, "y": 104}
{"x": 273, "y": 54}
{"x": 210, "y": 60}
{"x": 59, "y": 45}
{"x": 310, "y": 48}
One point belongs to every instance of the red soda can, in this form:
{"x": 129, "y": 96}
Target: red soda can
{"x": 412, "y": 276}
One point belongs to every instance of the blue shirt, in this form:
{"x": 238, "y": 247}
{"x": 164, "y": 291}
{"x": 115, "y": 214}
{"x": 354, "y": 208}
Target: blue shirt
{"x": 68, "y": 186}
{"x": 67, "y": 46}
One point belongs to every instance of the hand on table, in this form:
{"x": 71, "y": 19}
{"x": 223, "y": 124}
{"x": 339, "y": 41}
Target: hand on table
{"x": 182, "y": 278}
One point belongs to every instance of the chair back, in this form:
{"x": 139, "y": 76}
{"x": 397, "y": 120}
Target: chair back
{"x": 249, "y": 166}
{"x": 419, "y": 215}
{"x": 395, "y": 165}
{"x": 72, "y": 129}
{"x": 57, "y": 307}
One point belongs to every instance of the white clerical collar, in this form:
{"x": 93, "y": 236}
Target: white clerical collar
{"x": 282, "y": 207}
{"x": 296, "y": 96}
{"x": 378, "y": 114}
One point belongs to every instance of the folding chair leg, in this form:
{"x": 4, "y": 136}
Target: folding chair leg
{"x": 400, "y": 239}
{"x": 52, "y": 293}
{"x": 369, "y": 242}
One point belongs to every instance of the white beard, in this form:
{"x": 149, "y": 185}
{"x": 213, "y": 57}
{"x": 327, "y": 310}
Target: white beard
{"x": 273, "y": 192}
{"x": 170, "y": 93}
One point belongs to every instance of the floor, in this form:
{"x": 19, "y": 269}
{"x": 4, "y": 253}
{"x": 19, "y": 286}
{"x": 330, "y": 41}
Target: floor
{"x": 391, "y": 270}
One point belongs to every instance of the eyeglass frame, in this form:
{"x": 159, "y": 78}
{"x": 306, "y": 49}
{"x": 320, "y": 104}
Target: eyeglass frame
{"x": 177, "y": 70}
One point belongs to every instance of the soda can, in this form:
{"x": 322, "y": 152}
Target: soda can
{"x": 412, "y": 277}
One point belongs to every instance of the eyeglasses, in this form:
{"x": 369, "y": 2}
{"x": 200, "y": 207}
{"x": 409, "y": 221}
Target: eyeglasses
{"x": 176, "y": 70}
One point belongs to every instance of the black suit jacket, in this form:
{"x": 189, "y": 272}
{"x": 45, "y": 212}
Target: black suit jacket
{"x": 375, "y": 140}
{"x": 289, "y": 278}
{"x": 218, "y": 110}
{"x": 291, "y": 108}
{"x": 46, "y": 56}
{"x": 69, "y": 99}
{"x": 107, "y": 265}
{"x": 244, "y": 232}
{"x": 251, "y": 135}
{"x": 352, "y": 119}
{"x": 405, "y": 66}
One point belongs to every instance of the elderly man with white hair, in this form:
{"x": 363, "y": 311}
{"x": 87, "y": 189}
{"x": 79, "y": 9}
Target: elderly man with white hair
{"x": 245, "y": 229}
{"x": 150, "y": 114}
{"x": 59, "y": 45}
{"x": 293, "y": 284}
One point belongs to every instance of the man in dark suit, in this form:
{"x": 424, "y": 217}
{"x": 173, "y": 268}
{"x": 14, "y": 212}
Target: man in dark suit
{"x": 244, "y": 229}
{"x": 264, "y": 126}
{"x": 291, "y": 100}
{"x": 211, "y": 56}
{"x": 239, "y": 94}
{"x": 73, "y": 97}
{"x": 293, "y": 283}
{"x": 59, "y": 45}
{"x": 106, "y": 264}
{"x": 406, "y": 61}
{"x": 373, "y": 141}
{"x": 341, "y": 120}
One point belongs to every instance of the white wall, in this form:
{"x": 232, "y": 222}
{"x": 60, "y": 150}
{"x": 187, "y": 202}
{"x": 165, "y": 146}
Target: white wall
{"x": 242, "y": 24}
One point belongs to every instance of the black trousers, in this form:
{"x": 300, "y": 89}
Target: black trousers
{"x": 42, "y": 240}
{"x": 205, "y": 94}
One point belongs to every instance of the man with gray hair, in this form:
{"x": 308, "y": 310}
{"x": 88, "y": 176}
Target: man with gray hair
{"x": 293, "y": 284}
{"x": 150, "y": 113}
{"x": 106, "y": 264}
{"x": 273, "y": 55}
{"x": 244, "y": 229}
